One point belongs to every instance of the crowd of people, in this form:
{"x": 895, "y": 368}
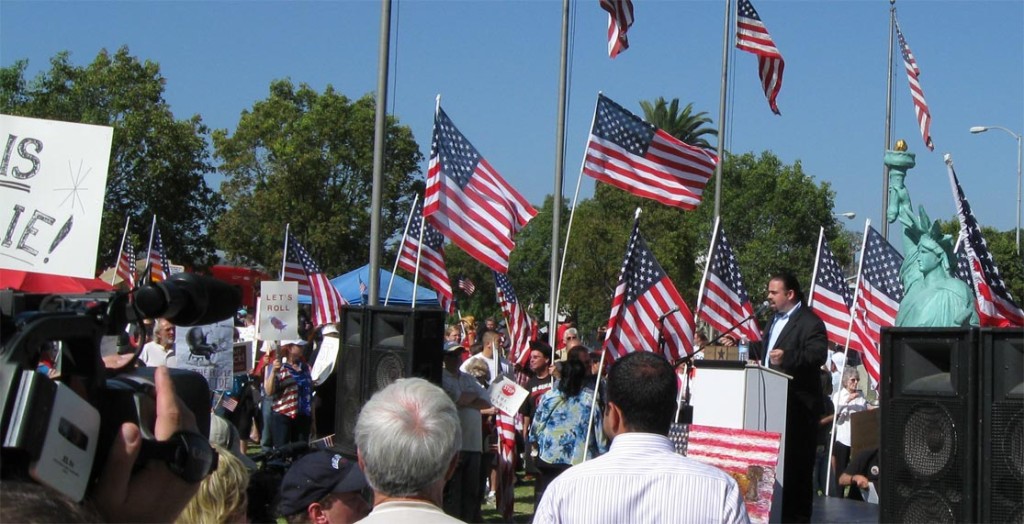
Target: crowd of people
{"x": 594, "y": 440}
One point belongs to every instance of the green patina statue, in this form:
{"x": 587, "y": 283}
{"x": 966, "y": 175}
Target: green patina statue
{"x": 932, "y": 296}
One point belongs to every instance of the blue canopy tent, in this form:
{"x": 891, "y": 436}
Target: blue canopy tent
{"x": 401, "y": 292}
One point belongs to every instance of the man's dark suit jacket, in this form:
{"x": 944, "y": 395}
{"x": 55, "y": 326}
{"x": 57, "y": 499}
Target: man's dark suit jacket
{"x": 805, "y": 346}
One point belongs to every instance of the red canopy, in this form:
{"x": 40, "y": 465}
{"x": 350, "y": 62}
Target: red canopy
{"x": 29, "y": 282}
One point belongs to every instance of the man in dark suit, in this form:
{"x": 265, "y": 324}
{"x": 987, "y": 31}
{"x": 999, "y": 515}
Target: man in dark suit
{"x": 797, "y": 345}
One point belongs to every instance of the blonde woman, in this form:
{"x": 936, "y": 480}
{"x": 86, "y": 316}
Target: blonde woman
{"x": 221, "y": 497}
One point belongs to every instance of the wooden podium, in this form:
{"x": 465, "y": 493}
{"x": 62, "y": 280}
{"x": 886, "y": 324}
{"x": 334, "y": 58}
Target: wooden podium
{"x": 740, "y": 395}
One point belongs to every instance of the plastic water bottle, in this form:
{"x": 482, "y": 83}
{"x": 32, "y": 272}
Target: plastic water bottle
{"x": 744, "y": 349}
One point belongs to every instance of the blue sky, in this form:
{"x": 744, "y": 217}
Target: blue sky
{"x": 495, "y": 64}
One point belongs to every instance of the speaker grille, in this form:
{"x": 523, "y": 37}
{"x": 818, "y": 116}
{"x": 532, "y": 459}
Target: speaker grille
{"x": 388, "y": 368}
{"x": 1008, "y": 462}
{"x": 929, "y": 439}
{"x": 928, "y": 506}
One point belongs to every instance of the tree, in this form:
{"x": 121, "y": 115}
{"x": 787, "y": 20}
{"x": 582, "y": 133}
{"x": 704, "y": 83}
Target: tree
{"x": 157, "y": 163}
{"x": 305, "y": 158}
{"x": 685, "y": 126}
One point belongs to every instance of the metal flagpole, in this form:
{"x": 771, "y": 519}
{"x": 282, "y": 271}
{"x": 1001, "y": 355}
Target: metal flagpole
{"x": 416, "y": 275}
{"x": 378, "y": 149}
{"x": 888, "y": 121}
{"x": 556, "y": 210}
{"x": 707, "y": 264}
{"x": 846, "y": 356}
{"x": 284, "y": 257}
{"x": 814, "y": 273}
{"x": 405, "y": 234}
{"x": 148, "y": 272}
{"x": 721, "y": 105}
{"x": 120, "y": 251}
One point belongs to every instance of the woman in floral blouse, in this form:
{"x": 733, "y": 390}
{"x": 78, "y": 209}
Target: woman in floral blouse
{"x": 559, "y": 426}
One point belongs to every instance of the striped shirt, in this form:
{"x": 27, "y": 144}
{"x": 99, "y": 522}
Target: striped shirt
{"x": 642, "y": 479}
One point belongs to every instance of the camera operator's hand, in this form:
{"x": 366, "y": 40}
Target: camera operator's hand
{"x": 153, "y": 493}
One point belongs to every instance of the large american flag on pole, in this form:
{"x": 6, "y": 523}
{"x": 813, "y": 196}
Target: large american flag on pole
{"x": 126, "y": 263}
{"x": 292, "y": 268}
{"x": 635, "y": 156}
{"x": 752, "y": 36}
{"x": 517, "y": 319}
{"x": 620, "y": 17}
{"x": 723, "y": 300}
{"x": 924, "y": 116}
{"x": 327, "y": 301}
{"x": 645, "y": 304}
{"x": 879, "y": 290}
{"x": 468, "y": 201}
{"x": 995, "y": 306}
{"x": 430, "y": 254}
{"x": 832, "y": 301}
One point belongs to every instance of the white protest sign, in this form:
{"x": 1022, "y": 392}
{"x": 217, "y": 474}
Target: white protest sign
{"x": 278, "y": 310}
{"x": 53, "y": 176}
{"x": 209, "y": 351}
{"x": 507, "y": 396}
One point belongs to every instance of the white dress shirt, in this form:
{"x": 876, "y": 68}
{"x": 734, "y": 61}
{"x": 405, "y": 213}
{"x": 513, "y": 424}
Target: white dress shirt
{"x": 781, "y": 319}
{"x": 642, "y": 479}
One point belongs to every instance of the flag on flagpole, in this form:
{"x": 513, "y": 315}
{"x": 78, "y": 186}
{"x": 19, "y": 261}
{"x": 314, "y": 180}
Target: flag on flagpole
{"x": 505, "y": 492}
{"x": 752, "y": 36}
{"x": 880, "y": 290}
{"x": 724, "y": 301}
{"x": 327, "y": 301}
{"x": 637, "y": 157}
{"x": 832, "y": 301}
{"x": 646, "y": 304}
{"x": 467, "y": 285}
{"x": 430, "y": 254}
{"x": 620, "y": 18}
{"x": 963, "y": 266}
{"x": 158, "y": 265}
{"x": 468, "y": 201}
{"x": 126, "y": 264}
{"x": 516, "y": 319}
{"x": 294, "y": 272}
{"x": 995, "y": 305}
{"x": 924, "y": 115}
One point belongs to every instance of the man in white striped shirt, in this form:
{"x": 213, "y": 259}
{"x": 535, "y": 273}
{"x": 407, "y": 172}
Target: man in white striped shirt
{"x": 641, "y": 478}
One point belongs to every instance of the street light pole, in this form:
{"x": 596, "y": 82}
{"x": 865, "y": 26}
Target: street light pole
{"x": 982, "y": 129}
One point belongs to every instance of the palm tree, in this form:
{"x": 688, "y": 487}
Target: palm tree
{"x": 685, "y": 126}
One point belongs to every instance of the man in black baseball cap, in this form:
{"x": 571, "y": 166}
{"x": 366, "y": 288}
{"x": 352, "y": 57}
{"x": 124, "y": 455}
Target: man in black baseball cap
{"x": 323, "y": 487}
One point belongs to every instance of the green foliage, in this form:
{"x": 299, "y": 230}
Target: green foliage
{"x": 306, "y": 158}
{"x": 157, "y": 163}
{"x": 685, "y": 126}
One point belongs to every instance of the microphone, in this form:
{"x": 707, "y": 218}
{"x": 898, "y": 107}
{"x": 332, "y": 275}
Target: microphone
{"x": 761, "y": 309}
{"x": 667, "y": 313}
{"x": 187, "y": 299}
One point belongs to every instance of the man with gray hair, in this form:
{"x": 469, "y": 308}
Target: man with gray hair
{"x": 408, "y": 436}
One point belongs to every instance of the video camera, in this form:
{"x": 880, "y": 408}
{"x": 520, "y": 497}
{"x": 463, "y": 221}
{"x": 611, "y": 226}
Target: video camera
{"x": 59, "y": 430}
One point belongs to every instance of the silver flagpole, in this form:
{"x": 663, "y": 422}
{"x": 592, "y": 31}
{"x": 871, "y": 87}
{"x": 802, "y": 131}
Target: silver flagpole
{"x": 148, "y": 272}
{"x": 120, "y": 251}
{"x": 378, "y": 149}
{"x": 556, "y": 210}
{"x": 284, "y": 255}
{"x": 726, "y": 38}
{"x": 405, "y": 234}
{"x": 888, "y": 121}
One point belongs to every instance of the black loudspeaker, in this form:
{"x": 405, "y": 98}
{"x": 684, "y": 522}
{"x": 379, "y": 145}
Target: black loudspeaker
{"x": 929, "y": 446}
{"x": 378, "y": 346}
{"x": 349, "y": 370}
{"x": 1002, "y": 425}
{"x": 402, "y": 343}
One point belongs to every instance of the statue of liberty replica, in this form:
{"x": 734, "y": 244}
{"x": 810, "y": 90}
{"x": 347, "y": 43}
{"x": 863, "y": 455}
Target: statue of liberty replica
{"x": 933, "y": 296}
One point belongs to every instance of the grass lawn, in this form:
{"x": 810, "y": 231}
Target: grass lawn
{"x": 523, "y": 505}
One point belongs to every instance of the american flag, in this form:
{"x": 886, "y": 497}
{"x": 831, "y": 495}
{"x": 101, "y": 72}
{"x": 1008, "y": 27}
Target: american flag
{"x": 158, "y": 265}
{"x": 126, "y": 264}
{"x": 643, "y": 307}
{"x": 832, "y": 300}
{"x": 620, "y": 18}
{"x": 468, "y": 201}
{"x": 505, "y": 492}
{"x": 327, "y": 301}
{"x": 924, "y": 116}
{"x": 635, "y": 156}
{"x": 996, "y": 307}
{"x": 293, "y": 270}
{"x": 516, "y": 318}
{"x": 229, "y": 403}
{"x": 752, "y": 36}
{"x": 963, "y": 266}
{"x": 879, "y": 288}
{"x": 724, "y": 301}
{"x": 430, "y": 254}
{"x": 467, "y": 285}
